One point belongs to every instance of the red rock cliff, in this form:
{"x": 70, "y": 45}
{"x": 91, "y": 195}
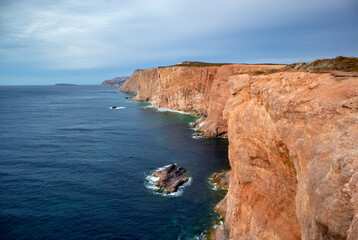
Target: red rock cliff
{"x": 293, "y": 145}
{"x": 200, "y": 90}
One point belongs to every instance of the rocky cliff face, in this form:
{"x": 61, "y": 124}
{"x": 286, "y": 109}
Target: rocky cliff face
{"x": 115, "y": 82}
{"x": 201, "y": 91}
{"x": 293, "y": 145}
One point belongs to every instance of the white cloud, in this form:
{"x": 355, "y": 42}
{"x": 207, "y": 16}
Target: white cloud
{"x": 79, "y": 34}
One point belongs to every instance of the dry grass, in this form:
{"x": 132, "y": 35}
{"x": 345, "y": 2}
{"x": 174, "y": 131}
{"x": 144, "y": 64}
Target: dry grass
{"x": 346, "y": 64}
{"x": 198, "y": 64}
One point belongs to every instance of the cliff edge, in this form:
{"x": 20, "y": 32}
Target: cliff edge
{"x": 115, "y": 82}
{"x": 293, "y": 144}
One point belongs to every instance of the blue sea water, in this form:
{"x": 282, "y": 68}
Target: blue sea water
{"x": 72, "y": 168}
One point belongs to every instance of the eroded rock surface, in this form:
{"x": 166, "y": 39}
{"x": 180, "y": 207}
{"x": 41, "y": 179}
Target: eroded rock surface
{"x": 221, "y": 179}
{"x": 171, "y": 178}
{"x": 293, "y": 145}
{"x": 202, "y": 91}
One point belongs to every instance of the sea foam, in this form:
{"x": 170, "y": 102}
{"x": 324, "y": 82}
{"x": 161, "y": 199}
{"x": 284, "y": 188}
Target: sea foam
{"x": 171, "y": 110}
{"x": 152, "y": 105}
{"x": 150, "y": 184}
{"x": 213, "y": 184}
{"x": 197, "y": 136}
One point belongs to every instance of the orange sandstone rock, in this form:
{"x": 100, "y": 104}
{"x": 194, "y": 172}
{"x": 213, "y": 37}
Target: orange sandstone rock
{"x": 202, "y": 91}
{"x": 293, "y": 145}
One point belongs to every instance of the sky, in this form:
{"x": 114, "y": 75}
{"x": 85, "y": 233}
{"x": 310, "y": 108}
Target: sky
{"x": 43, "y": 42}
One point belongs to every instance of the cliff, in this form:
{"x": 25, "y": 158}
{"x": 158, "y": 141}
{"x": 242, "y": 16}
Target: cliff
{"x": 201, "y": 91}
{"x": 293, "y": 144}
{"x": 115, "y": 82}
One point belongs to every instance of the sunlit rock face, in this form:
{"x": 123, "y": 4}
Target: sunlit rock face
{"x": 293, "y": 147}
{"x": 202, "y": 91}
{"x": 293, "y": 144}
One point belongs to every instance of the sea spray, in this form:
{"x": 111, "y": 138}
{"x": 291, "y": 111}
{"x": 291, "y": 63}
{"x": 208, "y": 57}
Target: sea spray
{"x": 150, "y": 181}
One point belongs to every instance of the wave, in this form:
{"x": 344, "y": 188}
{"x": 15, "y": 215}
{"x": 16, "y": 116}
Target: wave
{"x": 150, "y": 184}
{"x": 219, "y": 224}
{"x": 204, "y": 235}
{"x": 171, "y": 110}
{"x": 212, "y": 184}
{"x": 117, "y": 107}
{"x": 197, "y": 137}
{"x": 152, "y": 105}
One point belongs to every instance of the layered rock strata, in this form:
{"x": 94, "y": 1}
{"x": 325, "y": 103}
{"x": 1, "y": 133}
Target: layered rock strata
{"x": 201, "y": 91}
{"x": 293, "y": 144}
{"x": 221, "y": 179}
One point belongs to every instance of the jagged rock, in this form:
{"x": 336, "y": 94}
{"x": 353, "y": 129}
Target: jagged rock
{"x": 222, "y": 179}
{"x": 171, "y": 177}
{"x": 201, "y": 91}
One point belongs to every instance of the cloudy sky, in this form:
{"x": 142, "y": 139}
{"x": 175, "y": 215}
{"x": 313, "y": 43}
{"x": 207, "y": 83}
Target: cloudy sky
{"x": 85, "y": 42}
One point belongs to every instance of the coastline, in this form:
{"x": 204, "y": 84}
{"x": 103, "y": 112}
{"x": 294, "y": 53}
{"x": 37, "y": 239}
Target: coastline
{"x": 209, "y": 233}
{"x": 280, "y": 121}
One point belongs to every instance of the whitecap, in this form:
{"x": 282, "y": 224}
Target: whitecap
{"x": 213, "y": 184}
{"x": 218, "y": 225}
{"x": 197, "y": 137}
{"x": 202, "y": 236}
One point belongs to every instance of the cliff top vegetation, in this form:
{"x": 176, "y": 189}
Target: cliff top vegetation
{"x": 346, "y": 64}
{"x": 198, "y": 64}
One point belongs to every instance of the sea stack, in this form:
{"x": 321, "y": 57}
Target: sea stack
{"x": 171, "y": 178}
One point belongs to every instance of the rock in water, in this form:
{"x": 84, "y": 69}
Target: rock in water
{"x": 171, "y": 178}
{"x": 222, "y": 179}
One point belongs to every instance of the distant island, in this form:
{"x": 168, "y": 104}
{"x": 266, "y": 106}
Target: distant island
{"x": 65, "y": 84}
{"x": 115, "y": 82}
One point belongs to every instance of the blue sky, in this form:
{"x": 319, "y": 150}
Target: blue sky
{"x": 86, "y": 42}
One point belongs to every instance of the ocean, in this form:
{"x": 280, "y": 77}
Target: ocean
{"x": 73, "y": 168}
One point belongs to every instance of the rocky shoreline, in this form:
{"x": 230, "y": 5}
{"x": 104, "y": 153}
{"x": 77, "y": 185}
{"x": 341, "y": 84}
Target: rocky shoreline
{"x": 220, "y": 180}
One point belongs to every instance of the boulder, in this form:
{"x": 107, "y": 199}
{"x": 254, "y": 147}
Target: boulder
{"x": 171, "y": 178}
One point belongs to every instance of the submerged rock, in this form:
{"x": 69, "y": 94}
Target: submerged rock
{"x": 171, "y": 178}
